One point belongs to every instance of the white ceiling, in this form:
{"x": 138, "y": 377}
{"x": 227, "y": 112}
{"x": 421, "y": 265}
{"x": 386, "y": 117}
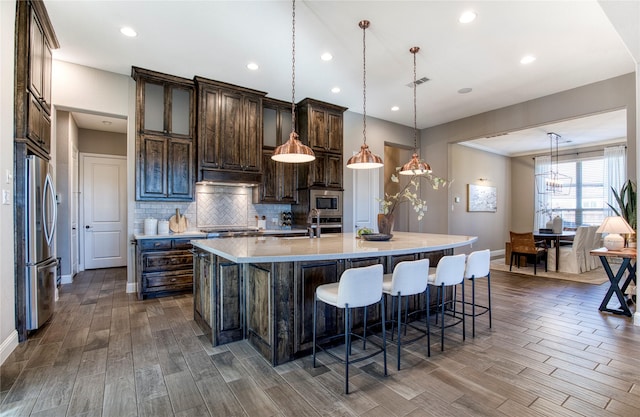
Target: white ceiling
{"x": 573, "y": 41}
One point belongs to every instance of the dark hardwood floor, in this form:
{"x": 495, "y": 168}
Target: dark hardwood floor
{"x": 550, "y": 353}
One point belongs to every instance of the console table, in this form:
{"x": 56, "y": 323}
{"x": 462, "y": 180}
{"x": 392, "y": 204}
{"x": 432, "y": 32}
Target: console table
{"x": 628, "y": 256}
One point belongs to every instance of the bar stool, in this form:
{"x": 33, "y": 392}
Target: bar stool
{"x": 408, "y": 278}
{"x": 448, "y": 273}
{"x": 358, "y": 287}
{"x": 478, "y": 266}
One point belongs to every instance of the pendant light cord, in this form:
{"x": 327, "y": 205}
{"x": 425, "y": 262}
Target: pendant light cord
{"x": 364, "y": 25}
{"x": 415, "y": 50}
{"x": 293, "y": 67}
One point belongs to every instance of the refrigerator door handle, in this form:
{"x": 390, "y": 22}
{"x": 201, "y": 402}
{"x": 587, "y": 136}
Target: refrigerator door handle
{"x": 53, "y": 262}
{"x": 49, "y": 200}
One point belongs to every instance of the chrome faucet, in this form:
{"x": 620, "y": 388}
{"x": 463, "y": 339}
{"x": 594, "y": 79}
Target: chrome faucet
{"x": 314, "y": 229}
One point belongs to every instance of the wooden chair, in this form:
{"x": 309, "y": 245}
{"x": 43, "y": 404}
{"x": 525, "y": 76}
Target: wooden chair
{"x": 523, "y": 244}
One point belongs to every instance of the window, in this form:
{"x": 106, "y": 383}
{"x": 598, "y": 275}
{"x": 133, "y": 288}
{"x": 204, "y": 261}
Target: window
{"x": 585, "y": 204}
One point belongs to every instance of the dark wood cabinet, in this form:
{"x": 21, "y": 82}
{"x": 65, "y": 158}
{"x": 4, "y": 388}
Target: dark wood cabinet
{"x": 218, "y": 302}
{"x": 279, "y": 181}
{"x": 163, "y": 267}
{"x": 321, "y": 127}
{"x": 34, "y": 40}
{"x": 229, "y": 132}
{"x": 165, "y": 129}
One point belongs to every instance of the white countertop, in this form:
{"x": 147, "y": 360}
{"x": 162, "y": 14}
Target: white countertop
{"x": 329, "y": 246}
{"x": 196, "y": 234}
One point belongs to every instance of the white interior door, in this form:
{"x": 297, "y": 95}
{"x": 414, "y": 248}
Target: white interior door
{"x": 74, "y": 211}
{"x": 104, "y": 191}
{"x": 365, "y": 198}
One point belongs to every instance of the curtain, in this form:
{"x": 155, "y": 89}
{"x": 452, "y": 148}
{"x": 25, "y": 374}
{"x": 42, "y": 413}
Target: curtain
{"x": 542, "y": 199}
{"x": 615, "y": 170}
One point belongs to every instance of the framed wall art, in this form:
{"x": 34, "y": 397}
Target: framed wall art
{"x": 481, "y": 198}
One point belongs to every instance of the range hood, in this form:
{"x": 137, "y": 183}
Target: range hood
{"x": 238, "y": 179}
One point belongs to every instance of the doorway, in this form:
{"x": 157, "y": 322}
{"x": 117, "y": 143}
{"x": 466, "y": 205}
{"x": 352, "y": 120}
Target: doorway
{"x": 395, "y": 156}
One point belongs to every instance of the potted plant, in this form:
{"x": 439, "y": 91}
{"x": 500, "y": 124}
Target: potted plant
{"x": 409, "y": 193}
{"x": 627, "y": 205}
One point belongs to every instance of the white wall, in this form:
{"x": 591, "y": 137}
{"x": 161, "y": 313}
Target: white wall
{"x": 8, "y": 334}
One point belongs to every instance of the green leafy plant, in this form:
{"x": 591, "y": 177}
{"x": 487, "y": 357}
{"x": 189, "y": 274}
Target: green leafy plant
{"x": 627, "y": 206}
{"x": 410, "y": 193}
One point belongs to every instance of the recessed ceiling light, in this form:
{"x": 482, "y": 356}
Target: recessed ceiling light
{"x": 127, "y": 31}
{"x": 527, "y": 59}
{"x": 395, "y": 108}
{"x": 465, "y": 90}
{"x": 252, "y": 66}
{"x": 335, "y": 90}
{"x": 468, "y": 16}
{"x": 326, "y": 56}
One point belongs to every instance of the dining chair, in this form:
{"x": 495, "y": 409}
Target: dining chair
{"x": 523, "y": 244}
{"x": 572, "y": 259}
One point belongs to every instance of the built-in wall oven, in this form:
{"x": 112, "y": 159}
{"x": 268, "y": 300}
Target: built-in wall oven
{"x": 328, "y": 203}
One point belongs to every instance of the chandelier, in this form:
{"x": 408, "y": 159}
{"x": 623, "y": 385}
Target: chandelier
{"x": 553, "y": 181}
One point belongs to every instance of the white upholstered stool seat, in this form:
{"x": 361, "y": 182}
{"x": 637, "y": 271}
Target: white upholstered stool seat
{"x": 358, "y": 287}
{"x": 449, "y": 272}
{"x": 408, "y": 278}
{"x": 478, "y": 266}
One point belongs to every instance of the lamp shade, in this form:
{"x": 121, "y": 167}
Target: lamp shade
{"x": 364, "y": 159}
{"x": 293, "y": 151}
{"x": 614, "y": 226}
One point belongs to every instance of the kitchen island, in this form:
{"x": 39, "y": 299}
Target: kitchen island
{"x": 262, "y": 288}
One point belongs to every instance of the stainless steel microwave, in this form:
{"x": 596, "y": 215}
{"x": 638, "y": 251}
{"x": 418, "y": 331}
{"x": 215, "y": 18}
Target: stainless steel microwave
{"x": 327, "y": 202}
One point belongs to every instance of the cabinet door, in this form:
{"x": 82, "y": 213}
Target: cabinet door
{"x": 152, "y": 172}
{"x": 202, "y": 286}
{"x": 252, "y": 144}
{"x": 228, "y": 312}
{"x": 45, "y": 132}
{"x": 288, "y": 183}
{"x": 270, "y": 183}
{"x": 180, "y": 169}
{"x": 209, "y": 143}
{"x": 318, "y": 170}
{"x": 46, "y": 76}
{"x": 36, "y": 45}
{"x": 153, "y": 120}
{"x": 231, "y": 130}
{"x": 317, "y": 129}
{"x": 334, "y": 170}
{"x": 334, "y": 132}
{"x": 34, "y": 121}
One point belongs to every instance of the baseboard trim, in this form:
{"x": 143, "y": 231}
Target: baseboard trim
{"x": 132, "y": 287}
{"x": 8, "y": 345}
{"x": 497, "y": 253}
{"x": 66, "y": 279}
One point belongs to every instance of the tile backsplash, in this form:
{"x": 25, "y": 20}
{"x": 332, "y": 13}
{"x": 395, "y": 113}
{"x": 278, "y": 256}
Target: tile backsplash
{"x": 214, "y": 206}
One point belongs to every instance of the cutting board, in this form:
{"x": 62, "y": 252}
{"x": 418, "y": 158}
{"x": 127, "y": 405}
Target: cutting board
{"x": 178, "y": 223}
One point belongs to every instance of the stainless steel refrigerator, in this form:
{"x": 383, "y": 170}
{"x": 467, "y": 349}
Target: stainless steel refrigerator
{"x": 40, "y": 227}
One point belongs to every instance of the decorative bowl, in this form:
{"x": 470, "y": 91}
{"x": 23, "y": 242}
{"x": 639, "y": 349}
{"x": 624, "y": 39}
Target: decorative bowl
{"x": 377, "y": 237}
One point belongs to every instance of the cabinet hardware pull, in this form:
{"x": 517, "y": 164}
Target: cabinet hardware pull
{"x": 173, "y": 279}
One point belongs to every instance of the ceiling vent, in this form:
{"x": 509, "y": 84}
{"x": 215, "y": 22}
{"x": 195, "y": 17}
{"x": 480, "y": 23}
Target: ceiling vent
{"x": 418, "y": 82}
{"x": 496, "y": 135}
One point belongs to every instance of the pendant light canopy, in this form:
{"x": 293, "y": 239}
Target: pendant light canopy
{"x": 293, "y": 151}
{"x": 415, "y": 166}
{"x": 364, "y": 159}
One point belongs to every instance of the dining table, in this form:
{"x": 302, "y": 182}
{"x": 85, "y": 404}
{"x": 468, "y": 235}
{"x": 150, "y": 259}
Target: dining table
{"x": 555, "y": 239}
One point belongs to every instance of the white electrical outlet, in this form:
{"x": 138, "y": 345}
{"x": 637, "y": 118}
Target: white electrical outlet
{"x": 6, "y": 197}
{"x": 8, "y": 177}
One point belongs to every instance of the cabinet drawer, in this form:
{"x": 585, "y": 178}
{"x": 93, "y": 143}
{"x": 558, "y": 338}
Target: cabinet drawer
{"x": 173, "y": 281}
{"x": 182, "y": 244}
{"x": 167, "y": 261}
{"x": 155, "y": 244}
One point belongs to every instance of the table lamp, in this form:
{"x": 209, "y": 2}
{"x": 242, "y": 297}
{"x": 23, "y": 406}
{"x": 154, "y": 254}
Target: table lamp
{"x": 614, "y": 225}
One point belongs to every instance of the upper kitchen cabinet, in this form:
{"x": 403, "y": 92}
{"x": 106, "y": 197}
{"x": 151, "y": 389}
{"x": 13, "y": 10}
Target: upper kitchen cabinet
{"x": 279, "y": 180}
{"x": 229, "y": 132}
{"x": 165, "y": 130}
{"x": 321, "y": 127}
{"x": 35, "y": 39}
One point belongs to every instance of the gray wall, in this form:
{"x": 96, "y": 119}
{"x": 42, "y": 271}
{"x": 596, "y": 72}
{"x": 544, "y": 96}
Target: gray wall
{"x": 106, "y": 143}
{"x": 612, "y": 94}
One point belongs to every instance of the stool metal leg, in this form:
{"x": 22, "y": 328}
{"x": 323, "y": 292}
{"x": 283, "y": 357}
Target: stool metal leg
{"x": 364, "y": 338}
{"x": 489, "y": 295}
{"x": 347, "y": 346}
{"x": 384, "y": 335}
{"x": 399, "y": 312}
{"x": 441, "y": 298}
{"x": 464, "y": 328}
{"x": 473, "y": 306}
{"x": 428, "y": 307}
{"x": 315, "y": 310}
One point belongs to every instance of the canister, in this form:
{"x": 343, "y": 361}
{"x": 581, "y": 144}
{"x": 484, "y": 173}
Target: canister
{"x": 163, "y": 227}
{"x": 150, "y": 226}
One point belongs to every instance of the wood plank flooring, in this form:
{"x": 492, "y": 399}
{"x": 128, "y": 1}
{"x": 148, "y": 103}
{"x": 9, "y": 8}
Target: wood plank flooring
{"x": 550, "y": 353}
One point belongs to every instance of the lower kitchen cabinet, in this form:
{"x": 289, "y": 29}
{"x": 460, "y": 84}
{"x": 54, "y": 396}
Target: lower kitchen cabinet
{"x": 164, "y": 267}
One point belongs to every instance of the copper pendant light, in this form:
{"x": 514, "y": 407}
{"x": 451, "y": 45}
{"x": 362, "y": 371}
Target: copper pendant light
{"x": 364, "y": 159}
{"x": 293, "y": 151}
{"x": 415, "y": 166}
